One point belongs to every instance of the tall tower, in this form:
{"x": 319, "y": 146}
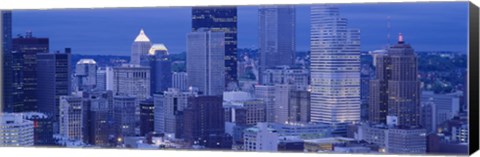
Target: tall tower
{"x": 335, "y": 67}
{"x": 221, "y": 19}
{"x": 160, "y": 68}
{"x": 6, "y": 57}
{"x": 276, "y": 36}
{"x": 53, "y": 75}
{"x": 205, "y": 66}
{"x": 140, "y": 48}
{"x": 395, "y": 93}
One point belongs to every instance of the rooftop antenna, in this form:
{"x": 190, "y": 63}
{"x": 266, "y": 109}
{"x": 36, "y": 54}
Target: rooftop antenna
{"x": 388, "y": 30}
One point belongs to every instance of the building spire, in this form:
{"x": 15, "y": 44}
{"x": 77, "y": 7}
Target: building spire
{"x": 142, "y": 37}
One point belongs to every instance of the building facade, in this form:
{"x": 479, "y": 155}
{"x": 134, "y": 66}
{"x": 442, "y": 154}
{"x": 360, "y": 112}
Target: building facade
{"x": 140, "y": 47}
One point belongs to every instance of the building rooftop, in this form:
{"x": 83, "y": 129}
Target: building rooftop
{"x": 142, "y": 37}
{"x": 86, "y": 61}
{"x": 158, "y": 47}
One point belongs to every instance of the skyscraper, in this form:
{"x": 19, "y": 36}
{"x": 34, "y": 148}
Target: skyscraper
{"x": 53, "y": 71}
{"x": 27, "y": 48}
{"x": 7, "y": 98}
{"x": 276, "y": 36}
{"x": 335, "y": 67}
{"x": 205, "y": 61}
{"x": 174, "y": 101}
{"x": 124, "y": 115}
{"x": 395, "y": 92}
{"x": 221, "y": 19}
{"x": 147, "y": 109}
{"x": 160, "y": 68}
{"x": 267, "y": 94}
{"x": 101, "y": 83}
{"x": 140, "y": 48}
{"x": 86, "y": 74}
{"x": 132, "y": 80}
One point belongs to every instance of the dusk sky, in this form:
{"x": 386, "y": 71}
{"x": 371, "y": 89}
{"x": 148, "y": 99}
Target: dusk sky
{"x": 426, "y": 26}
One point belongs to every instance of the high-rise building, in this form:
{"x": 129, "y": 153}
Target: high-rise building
{"x": 27, "y": 47}
{"x": 276, "y": 36}
{"x": 205, "y": 61}
{"x": 180, "y": 80}
{"x": 395, "y": 92}
{"x": 281, "y": 107}
{"x": 86, "y": 74}
{"x": 203, "y": 117}
{"x": 174, "y": 102}
{"x": 109, "y": 78}
{"x": 140, "y": 48}
{"x": 160, "y": 68}
{"x": 132, "y": 80}
{"x": 147, "y": 109}
{"x": 335, "y": 67}
{"x": 42, "y": 128}
{"x": 221, "y": 19}
{"x": 15, "y": 130}
{"x": 8, "y": 98}
{"x": 159, "y": 118}
{"x": 101, "y": 83}
{"x": 124, "y": 115}
{"x": 72, "y": 117}
{"x": 54, "y": 72}
{"x": 267, "y": 94}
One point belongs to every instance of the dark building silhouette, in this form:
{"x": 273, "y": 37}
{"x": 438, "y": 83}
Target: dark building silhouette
{"x": 222, "y": 19}
{"x": 146, "y": 117}
{"x": 204, "y": 121}
{"x": 160, "y": 68}
{"x": 27, "y": 47}
{"x": 8, "y": 94}
{"x": 396, "y": 90}
{"x": 53, "y": 74}
{"x": 100, "y": 127}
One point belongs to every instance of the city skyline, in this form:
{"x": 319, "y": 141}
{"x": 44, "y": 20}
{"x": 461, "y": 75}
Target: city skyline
{"x": 104, "y": 26}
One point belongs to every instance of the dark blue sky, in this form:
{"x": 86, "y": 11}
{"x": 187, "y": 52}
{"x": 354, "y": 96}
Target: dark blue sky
{"x": 426, "y": 26}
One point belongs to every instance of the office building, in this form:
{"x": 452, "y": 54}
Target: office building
{"x": 147, "y": 109}
{"x": 276, "y": 36}
{"x": 54, "y": 73}
{"x": 140, "y": 47}
{"x": 15, "y": 131}
{"x": 205, "y": 61}
{"x": 221, "y": 19}
{"x": 260, "y": 138}
{"x": 10, "y": 97}
{"x": 299, "y": 106}
{"x": 267, "y": 94}
{"x": 86, "y": 74}
{"x": 242, "y": 109}
{"x": 160, "y": 68}
{"x": 132, "y": 80}
{"x": 395, "y": 92}
{"x": 335, "y": 67}
{"x": 101, "y": 127}
{"x": 72, "y": 118}
{"x": 27, "y": 48}
{"x": 124, "y": 115}
{"x": 101, "y": 83}
{"x": 203, "y": 118}
{"x": 299, "y": 77}
{"x": 406, "y": 141}
{"x": 42, "y": 128}
{"x": 180, "y": 80}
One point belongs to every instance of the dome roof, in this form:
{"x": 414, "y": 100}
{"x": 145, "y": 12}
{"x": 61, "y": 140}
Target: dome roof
{"x": 86, "y": 61}
{"x": 157, "y": 47}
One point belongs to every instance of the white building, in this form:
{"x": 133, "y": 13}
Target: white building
{"x": 132, "y": 80}
{"x": 15, "y": 130}
{"x": 86, "y": 74}
{"x": 282, "y": 100}
{"x": 206, "y": 61}
{"x": 335, "y": 67}
{"x": 72, "y": 118}
{"x": 406, "y": 141}
{"x": 140, "y": 48}
{"x": 180, "y": 80}
{"x": 260, "y": 138}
